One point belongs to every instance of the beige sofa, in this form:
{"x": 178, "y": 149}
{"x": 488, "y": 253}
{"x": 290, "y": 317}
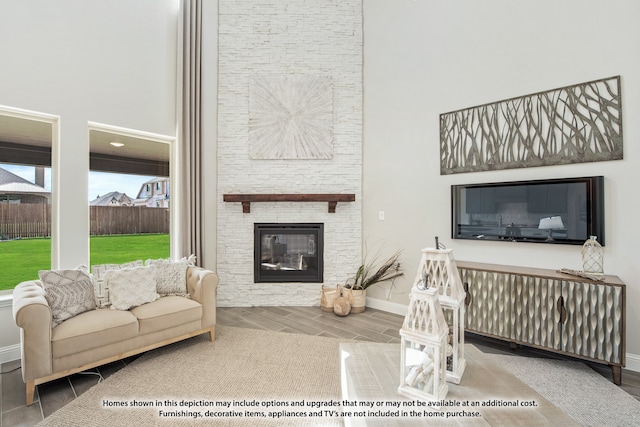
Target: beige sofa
{"x": 101, "y": 336}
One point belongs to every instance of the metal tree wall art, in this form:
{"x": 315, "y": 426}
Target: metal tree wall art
{"x": 574, "y": 124}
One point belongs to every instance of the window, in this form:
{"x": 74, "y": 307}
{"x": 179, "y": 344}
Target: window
{"x": 26, "y": 198}
{"x": 129, "y": 215}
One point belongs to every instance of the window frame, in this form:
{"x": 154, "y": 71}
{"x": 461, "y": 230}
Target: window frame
{"x": 54, "y": 121}
{"x": 171, "y": 141}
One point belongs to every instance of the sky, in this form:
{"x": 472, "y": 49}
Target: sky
{"x": 100, "y": 183}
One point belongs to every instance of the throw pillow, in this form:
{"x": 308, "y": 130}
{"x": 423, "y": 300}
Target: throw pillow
{"x": 191, "y": 260}
{"x": 68, "y": 292}
{"x": 171, "y": 276}
{"x": 131, "y": 287}
{"x": 101, "y": 290}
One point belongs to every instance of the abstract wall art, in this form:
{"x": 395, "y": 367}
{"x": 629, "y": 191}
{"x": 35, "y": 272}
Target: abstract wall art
{"x": 291, "y": 117}
{"x": 574, "y": 124}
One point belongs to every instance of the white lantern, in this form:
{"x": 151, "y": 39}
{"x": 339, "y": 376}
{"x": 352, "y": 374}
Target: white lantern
{"x": 438, "y": 271}
{"x": 423, "y": 344}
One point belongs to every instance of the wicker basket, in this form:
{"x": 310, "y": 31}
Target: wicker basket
{"x": 357, "y": 298}
{"x": 328, "y": 296}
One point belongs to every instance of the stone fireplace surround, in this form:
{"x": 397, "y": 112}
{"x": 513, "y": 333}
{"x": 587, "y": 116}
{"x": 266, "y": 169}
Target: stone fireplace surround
{"x": 305, "y": 38}
{"x": 342, "y": 252}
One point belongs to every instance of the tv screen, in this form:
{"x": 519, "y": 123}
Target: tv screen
{"x": 558, "y": 211}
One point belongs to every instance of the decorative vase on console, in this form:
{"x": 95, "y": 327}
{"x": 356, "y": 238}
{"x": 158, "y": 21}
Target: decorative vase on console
{"x": 593, "y": 257}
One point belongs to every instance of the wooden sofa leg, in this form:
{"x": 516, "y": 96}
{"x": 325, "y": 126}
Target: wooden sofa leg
{"x": 212, "y": 334}
{"x": 31, "y": 388}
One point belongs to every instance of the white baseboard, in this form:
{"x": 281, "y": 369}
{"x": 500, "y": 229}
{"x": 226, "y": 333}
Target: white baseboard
{"x": 390, "y": 307}
{"x": 10, "y": 353}
{"x": 633, "y": 362}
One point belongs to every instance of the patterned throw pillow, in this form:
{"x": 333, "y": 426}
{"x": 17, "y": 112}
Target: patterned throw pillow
{"x": 101, "y": 290}
{"x": 68, "y": 292}
{"x": 171, "y": 276}
{"x": 131, "y": 287}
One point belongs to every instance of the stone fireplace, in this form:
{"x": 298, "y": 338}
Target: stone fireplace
{"x": 290, "y": 122}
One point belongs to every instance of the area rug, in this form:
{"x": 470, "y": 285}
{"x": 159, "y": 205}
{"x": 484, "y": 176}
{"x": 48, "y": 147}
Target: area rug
{"x": 576, "y": 389}
{"x": 225, "y": 383}
{"x": 261, "y": 378}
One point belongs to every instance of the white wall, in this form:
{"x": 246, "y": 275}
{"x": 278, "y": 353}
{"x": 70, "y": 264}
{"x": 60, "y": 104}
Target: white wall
{"x": 87, "y": 60}
{"x": 424, "y": 58}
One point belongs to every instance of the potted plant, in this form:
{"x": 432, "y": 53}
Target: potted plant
{"x": 370, "y": 273}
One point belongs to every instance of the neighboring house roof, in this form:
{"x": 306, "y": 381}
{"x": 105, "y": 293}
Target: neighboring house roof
{"x": 22, "y": 188}
{"x": 11, "y": 183}
{"x": 112, "y": 198}
{"x": 7, "y": 177}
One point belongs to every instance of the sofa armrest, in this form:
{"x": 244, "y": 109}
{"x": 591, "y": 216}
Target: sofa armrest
{"x": 202, "y": 286}
{"x": 32, "y": 314}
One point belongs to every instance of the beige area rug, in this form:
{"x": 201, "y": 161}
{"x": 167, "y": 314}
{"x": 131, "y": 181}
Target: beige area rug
{"x": 241, "y": 366}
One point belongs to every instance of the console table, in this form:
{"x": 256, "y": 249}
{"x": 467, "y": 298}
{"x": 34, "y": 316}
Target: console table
{"x": 549, "y": 310}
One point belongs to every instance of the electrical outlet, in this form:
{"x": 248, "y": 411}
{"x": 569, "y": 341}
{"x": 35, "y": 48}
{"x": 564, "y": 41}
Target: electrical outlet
{"x": 381, "y": 215}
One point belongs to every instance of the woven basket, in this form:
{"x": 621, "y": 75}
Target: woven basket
{"x": 328, "y": 296}
{"x": 357, "y": 298}
{"x": 342, "y": 307}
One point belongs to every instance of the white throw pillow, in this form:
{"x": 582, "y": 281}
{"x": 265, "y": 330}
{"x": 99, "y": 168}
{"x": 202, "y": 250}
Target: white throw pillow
{"x": 68, "y": 292}
{"x": 131, "y": 287}
{"x": 171, "y": 276}
{"x": 100, "y": 287}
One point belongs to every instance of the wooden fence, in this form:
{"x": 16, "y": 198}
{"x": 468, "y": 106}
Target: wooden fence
{"x": 25, "y": 220}
{"x": 34, "y": 220}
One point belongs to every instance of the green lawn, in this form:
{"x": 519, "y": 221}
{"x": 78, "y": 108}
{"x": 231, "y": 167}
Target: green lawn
{"x": 20, "y": 260}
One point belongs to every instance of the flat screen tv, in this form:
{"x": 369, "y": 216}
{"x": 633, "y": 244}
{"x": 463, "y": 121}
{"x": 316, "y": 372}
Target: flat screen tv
{"x": 557, "y": 211}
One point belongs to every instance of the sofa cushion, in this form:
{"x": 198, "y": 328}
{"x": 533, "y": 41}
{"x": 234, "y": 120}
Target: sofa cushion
{"x": 68, "y": 292}
{"x": 91, "y": 329}
{"x": 167, "y": 312}
{"x": 131, "y": 287}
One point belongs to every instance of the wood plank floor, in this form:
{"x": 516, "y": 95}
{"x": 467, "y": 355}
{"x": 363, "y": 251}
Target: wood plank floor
{"x": 372, "y": 325}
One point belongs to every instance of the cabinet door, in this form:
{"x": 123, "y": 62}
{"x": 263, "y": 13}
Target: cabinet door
{"x": 536, "y": 313}
{"x": 594, "y": 323}
{"x": 489, "y": 309}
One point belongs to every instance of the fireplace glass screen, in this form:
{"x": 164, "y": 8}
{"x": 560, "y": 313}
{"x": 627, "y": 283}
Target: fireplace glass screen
{"x": 288, "y": 253}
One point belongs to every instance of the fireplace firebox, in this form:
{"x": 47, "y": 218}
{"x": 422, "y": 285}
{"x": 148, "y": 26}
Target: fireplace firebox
{"x": 288, "y": 252}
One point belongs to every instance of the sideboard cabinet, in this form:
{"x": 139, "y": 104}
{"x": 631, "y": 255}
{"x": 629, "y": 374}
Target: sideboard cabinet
{"x": 548, "y": 309}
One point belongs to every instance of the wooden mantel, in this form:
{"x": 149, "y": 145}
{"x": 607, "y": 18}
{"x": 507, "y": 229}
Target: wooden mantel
{"x": 246, "y": 199}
